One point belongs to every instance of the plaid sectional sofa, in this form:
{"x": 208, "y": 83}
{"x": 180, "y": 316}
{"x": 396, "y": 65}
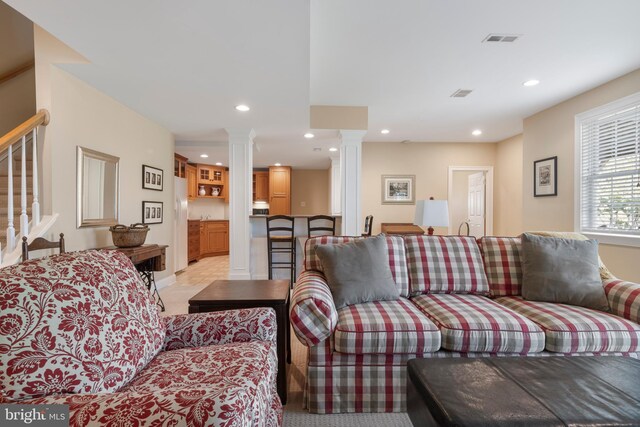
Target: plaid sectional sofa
{"x": 458, "y": 298}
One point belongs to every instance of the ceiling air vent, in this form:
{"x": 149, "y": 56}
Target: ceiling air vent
{"x": 461, "y": 93}
{"x": 501, "y": 38}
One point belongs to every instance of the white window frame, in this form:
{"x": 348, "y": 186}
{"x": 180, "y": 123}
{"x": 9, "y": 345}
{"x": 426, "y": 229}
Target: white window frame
{"x": 612, "y": 107}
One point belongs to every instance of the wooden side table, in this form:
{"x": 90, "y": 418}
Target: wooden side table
{"x": 402, "y": 229}
{"x": 234, "y": 294}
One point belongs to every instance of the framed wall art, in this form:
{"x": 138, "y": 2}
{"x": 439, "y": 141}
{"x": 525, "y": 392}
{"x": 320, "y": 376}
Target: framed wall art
{"x": 398, "y": 189}
{"x": 545, "y": 177}
{"x": 152, "y": 212}
{"x": 152, "y": 178}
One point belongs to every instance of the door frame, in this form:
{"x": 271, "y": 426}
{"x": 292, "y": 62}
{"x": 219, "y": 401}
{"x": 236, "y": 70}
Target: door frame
{"x": 488, "y": 212}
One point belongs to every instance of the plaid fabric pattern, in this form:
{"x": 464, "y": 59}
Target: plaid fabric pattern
{"x": 572, "y": 329}
{"x": 624, "y": 298}
{"x": 445, "y": 264}
{"x": 502, "y": 264}
{"x": 472, "y": 323}
{"x": 387, "y": 327}
{"x": 312, "y": 314}
{"x": 398, "y": 264}
{"x": 397, "y": 257}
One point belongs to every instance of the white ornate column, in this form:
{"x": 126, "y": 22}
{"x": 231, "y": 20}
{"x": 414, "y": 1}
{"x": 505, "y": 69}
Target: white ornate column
{"x": 351, "y": 181}
{"x": 240, "y": 202}
{"x": 334, "y": 173}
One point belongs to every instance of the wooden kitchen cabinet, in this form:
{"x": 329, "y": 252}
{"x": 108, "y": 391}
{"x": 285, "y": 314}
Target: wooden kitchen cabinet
{"x": 211, "y": 177}
{"x": 193, "y": 242}
{"x": 261, "y": 186}
{"x": 214, "y": 238}
{"x": 192, "y": 181}
{"x": 279, "y": 190}
{"x": 179, "y": 165}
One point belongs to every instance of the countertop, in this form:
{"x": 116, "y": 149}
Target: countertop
{"x": 207, "y": 220}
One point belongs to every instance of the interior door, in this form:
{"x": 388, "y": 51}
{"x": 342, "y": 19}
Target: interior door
{"x": 476, "y": 203}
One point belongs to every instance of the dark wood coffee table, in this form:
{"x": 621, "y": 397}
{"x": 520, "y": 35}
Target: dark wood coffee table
{"x": 524, "y": 391}
{"x": 233, "y": 294}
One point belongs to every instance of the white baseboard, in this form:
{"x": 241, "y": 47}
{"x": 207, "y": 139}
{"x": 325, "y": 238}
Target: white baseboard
{"x": 167, "y": 281}
{"x": 260, "y": 277}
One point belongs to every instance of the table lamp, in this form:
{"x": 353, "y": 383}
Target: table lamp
{"x": 432, "y": 213}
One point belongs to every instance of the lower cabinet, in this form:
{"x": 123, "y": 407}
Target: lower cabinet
{"x": 214, "y": 238}
{"x": 193, "y": 243}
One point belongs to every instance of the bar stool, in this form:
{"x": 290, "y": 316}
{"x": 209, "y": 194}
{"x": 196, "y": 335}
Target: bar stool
{"x": 368, "y": 225}
{"x": 281, "y": 240}
{"x": 323, "y": 229}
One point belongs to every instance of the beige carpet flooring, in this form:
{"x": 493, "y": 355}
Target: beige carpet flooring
{"x": 195, "y": 278}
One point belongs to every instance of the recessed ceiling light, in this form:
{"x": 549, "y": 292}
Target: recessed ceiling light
{"x": 242, "y": 107}
{"x": 476, "y": 132}
{"x": 532, "y": 82}
{"x": 218, "y": 164}
{"x": 309, "y": 135}
{"x": 333, "y": 149}
{"x": 277, "y": 164}
{"x": 384, "y": 131}
{"x": 204, "y": 156}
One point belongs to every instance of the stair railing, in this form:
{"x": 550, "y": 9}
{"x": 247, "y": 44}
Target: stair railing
{"x": 20, "y": 134}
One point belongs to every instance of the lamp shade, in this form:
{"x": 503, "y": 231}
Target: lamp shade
{"x": 432, "y": 213}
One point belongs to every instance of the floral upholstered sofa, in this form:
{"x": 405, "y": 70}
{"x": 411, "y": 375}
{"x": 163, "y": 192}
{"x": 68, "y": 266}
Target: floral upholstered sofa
{"x": 81, "y": 329}
{"x": 458, "y": 298}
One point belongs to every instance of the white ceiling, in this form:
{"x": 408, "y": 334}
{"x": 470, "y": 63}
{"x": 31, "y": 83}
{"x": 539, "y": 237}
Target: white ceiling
{"x": 187, "y": 64}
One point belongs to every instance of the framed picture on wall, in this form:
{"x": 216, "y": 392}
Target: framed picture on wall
{"x": 545, "y": 177}
{"x": 152, "y": 178}
{"x": 152, "y": 212}
{"x": 398, "y": 189}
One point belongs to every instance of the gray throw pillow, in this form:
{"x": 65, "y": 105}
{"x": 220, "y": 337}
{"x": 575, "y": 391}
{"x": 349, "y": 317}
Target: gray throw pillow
{"x": 358, "y": 271}
{"x": 563, "y": 271}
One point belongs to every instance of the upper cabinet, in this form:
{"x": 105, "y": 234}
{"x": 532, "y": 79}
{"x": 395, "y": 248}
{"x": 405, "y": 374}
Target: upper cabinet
{"x": 179, "y": 165}
{"x": 192, "y": 181}
{"x": 211, "y": 181}
{"x": 261, "y": 186}
{"x": 280, "y": 190}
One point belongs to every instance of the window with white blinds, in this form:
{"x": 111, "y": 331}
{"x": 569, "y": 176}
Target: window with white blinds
{"x": 609, "y": 157}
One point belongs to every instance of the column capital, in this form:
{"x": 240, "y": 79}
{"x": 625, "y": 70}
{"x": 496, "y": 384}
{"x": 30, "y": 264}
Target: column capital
{"x": 351, "y": 136}
{"x": 241, "y": 133}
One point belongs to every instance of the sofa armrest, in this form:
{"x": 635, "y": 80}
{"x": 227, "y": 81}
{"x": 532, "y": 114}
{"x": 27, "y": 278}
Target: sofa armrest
{"x": 220, "y": 327}
{"x": 624, "y": 298}
{"x": 313, "y": 313}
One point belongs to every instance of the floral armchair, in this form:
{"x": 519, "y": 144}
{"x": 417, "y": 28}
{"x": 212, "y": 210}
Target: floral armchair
{"x": 81, "y": 329}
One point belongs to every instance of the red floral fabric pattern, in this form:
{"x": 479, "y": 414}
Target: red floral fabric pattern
{"x": 222, "y": 327}
{"x": 80, "y": 322}
{"x": 224, "y": 385}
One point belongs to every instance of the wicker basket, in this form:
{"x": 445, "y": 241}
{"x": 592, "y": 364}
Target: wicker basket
{"x": 128, "y": 237}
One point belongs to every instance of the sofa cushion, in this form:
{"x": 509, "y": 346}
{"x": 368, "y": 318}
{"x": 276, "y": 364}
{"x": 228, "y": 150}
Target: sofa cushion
{"x": 397, "y": 257}
{"x": 78, "y": 322}
{"x": 473, "y": 323}
{"x": 358, "y": 272}
{"x": 572, "y": 329}
{"x": 502, "y": 264}
{"x": 562, "y": 270}
{"x": 223, "y": 385}
{"x": 387, "y": 327}
{"x": 445, "y": 264}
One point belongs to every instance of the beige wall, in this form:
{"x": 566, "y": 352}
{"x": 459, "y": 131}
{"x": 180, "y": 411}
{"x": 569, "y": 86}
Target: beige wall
{"x": 429, "y": 162}
{"x": 81, "y": 115}
{"x": 18, "y": 95}
{"x": 551, "y": 133}
{"x": 508, "y": 187}
{"x": 311, "y": 187}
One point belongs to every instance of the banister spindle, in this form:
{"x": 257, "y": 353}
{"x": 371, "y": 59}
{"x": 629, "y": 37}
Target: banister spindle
{"x": 24, "y": 219}
{"x": 11, "y": 231}
{"x": 35, "y": 206}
